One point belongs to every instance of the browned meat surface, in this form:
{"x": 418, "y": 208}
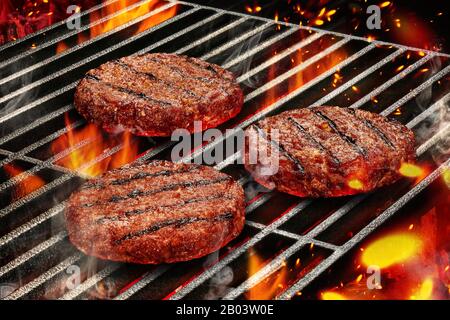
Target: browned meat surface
{"x": 156, "y": 213}
{"x": 331, "y": 151}
{"x": 154, "y": 94}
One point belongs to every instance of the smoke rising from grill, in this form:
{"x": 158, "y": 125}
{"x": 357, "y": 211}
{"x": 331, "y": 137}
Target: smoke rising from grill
{"x": 437, "y": 121}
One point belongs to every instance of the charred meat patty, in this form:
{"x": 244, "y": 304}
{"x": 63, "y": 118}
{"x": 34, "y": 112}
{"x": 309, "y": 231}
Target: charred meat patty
{"x": 328, "y": 151}
{"x": 154, "y": 94}
{"x": 159, "y": 212}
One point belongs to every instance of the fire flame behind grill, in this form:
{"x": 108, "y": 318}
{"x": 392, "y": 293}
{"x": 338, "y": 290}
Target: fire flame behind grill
{"x": 89, "y": 144}
{"x": 413, "y": 261}
{"x": 26, "y": 185}
{"x": 122, "y": 19}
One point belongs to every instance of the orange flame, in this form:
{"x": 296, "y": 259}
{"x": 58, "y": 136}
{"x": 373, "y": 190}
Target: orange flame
{"x": 414, "y": 262}
{"x": 304, "y": 76}
{"x": 124, "y": 18}
{"x": 425, "y": 290}
{"x": 392, "y": 249}
{"x": 268, "y": 288}
{"x": 27, "y": 185}
{"x": 410, "y": 170}
{"x": 87, "y": 145}
{"x": 331, "y": 295}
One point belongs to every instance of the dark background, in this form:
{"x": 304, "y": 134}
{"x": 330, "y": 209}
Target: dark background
{"x": 419, "y": 23}
{"x": 423, "y": 24}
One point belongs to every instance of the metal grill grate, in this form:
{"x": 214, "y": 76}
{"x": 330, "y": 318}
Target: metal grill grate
{"x": 37, "y": 89}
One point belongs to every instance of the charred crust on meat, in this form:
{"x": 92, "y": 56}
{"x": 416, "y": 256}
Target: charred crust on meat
{"x": 280, "y": 147}
{"x": 343, "y": 136}
{"x": 156, "y": 93}
{"x": 130, "y": 92}
{"x": 313, "y": 140}
{"x": 152, "y": 77}
{"x": 346, "y": 138}
{"x": 135, "y": 212}
{"x": 177, "y": 223}
{"x": 373, "y": 127}
{"x": 141, "y": 193}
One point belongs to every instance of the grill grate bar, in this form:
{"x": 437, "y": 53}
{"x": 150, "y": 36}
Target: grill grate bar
{"x": 31, "y": 224}
{"x": 55, "y": 183}
{"x": 91, "y": 281}
{"x": 146, "y": 279}
{"x": 392, "y": 81}
{"x": 83, "y": 44}
{"x": 339, "y": 213}
{"x": 54, "y": 26}
{"x": 253, "y": 32}
{"x": 35, "y": 124}
{"x": 78, "y": 64}
{"x": 417, "y": 90}
{"x": 44, "y": 141}
{"x": 276, "y": 263}
{"x": 296, "y": 70}
{"x": 289, "y": 24}
{"x": 294, "y": 236}
{"x": 278, "y": 103}
{"x": 374, "y": 224}
{"x": 207, "y": 274}
{"x": 46, "y": 276}
{"x": 358, "y": 78}
{"x": 260, "y": 47}
{"x": 33, "y": 252}
{"x": 429, "y": 111}
{"x": 211, "y": 35}
{"x": 42, "y": 81}
{"x": 279, "y": 56}
{"x": 264, "y": 230}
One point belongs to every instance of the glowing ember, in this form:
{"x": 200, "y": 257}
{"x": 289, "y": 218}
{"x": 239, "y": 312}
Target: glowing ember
{"x": 400, "y": 68}
{"x": 27, "y": 184}
{"x": 268, "y": 288}
{"x": 87, "y": 146}
{"x": 446, "y": 177}
{"x": 392, "y": 249}
{"x": 330, "y": 295}
{"x": 425, "y": 290}
{"x": 410, "y": 170}
{"x": 355, "y": 184}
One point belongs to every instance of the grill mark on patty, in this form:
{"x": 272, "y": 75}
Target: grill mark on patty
{"x": 208, "y": 67}
{"x": 147, "y": 209}
{"x": 313, "y": 140}
{"x": 138, "y": 176}
{"x": 341, "y": 134}
{"x": 182, "y": 73}
{"x": 133, "y": 93}
{"x": 369, "y": 124}
{"x": 177, "y": 223}
{"x": 152, "y": 77}
{"x": 262, "y": 134}
{"x": 140, "y": 193}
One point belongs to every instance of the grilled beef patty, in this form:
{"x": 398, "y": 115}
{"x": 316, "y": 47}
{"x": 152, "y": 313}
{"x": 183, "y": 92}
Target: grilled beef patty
{"x": 154, "y": 94}
{"x": 160, "y": 212}
{"x": 329, "y": 151}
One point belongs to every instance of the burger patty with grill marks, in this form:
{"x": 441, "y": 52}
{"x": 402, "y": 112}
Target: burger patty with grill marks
{"x": 154, "y": 94}
{"x": 328, "y": 151}
{"x": 159, "y": 212}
